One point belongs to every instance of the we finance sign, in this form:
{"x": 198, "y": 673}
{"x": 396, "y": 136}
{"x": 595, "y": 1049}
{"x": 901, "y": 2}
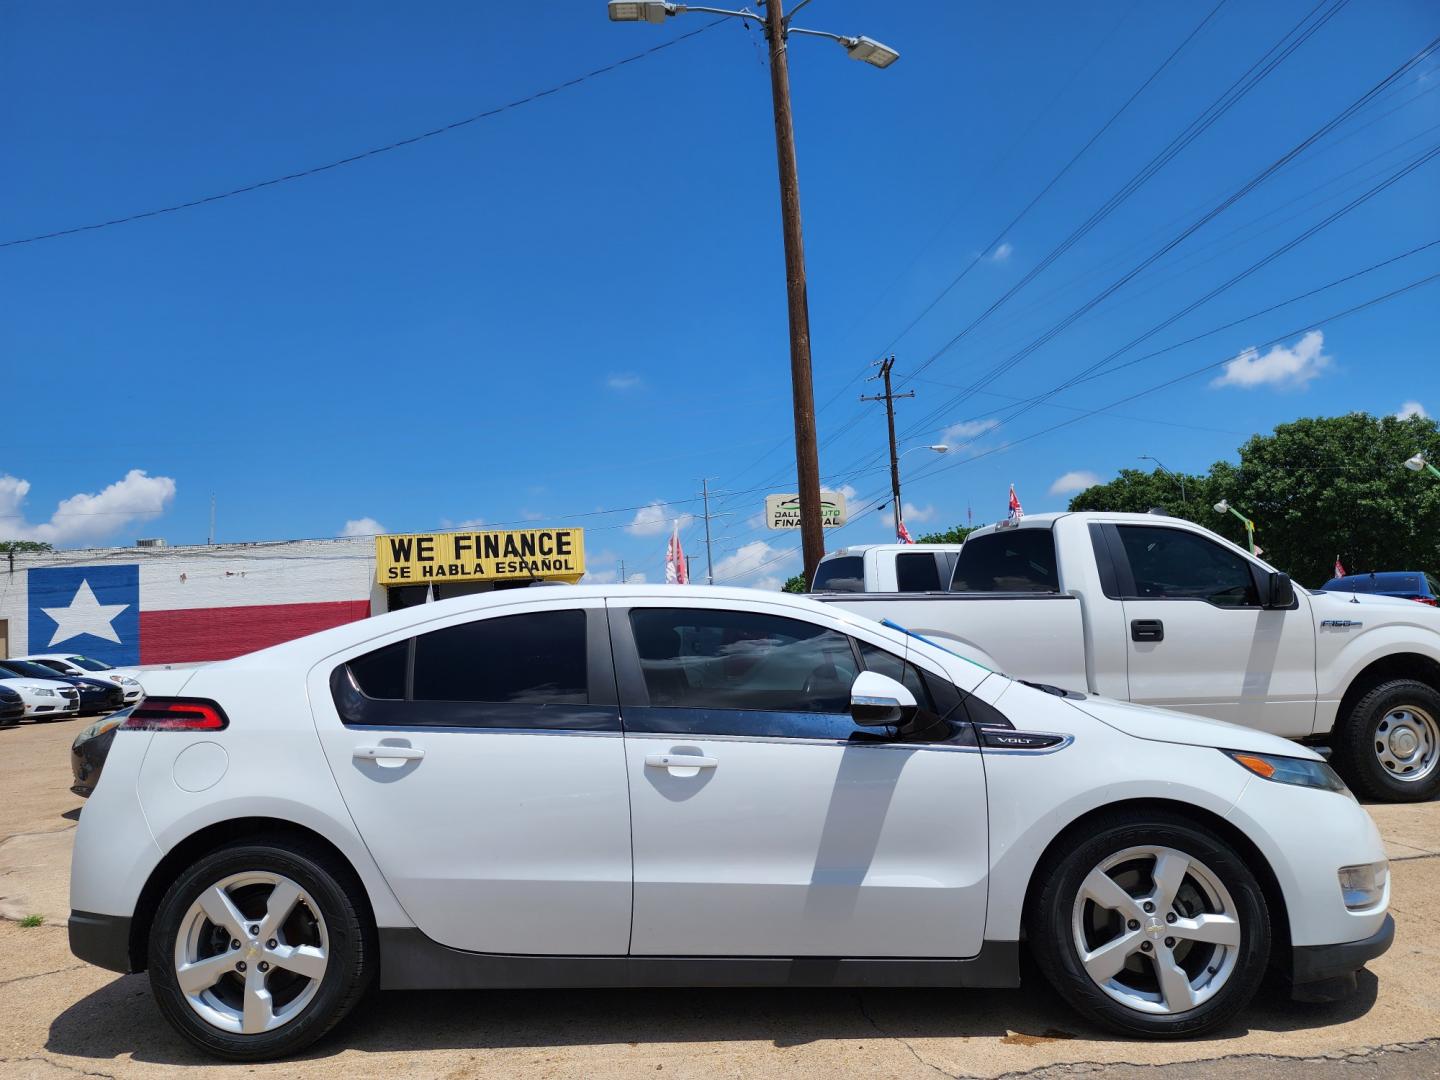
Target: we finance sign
{"x": 521, "y": 555}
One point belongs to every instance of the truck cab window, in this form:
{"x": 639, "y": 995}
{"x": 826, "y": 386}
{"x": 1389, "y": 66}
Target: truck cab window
{"x": 843, "y": 574}
{"x": 917, "y": 572}
{"x": 1173, "y": 564}
{"x": 1009, "y": 560}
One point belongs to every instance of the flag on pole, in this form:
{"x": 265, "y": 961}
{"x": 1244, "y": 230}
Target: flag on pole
{"x": 1339, "y": 569}
{"x": 902, "y": 534}
{"x": 676, "y": 571}
{"x": 1016, "y": 512}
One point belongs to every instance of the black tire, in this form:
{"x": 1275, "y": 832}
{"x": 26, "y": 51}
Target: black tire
{"x": 1358, "y": 732}
{"x": 353, "y": 949}
{"x": 1052, "y": 941}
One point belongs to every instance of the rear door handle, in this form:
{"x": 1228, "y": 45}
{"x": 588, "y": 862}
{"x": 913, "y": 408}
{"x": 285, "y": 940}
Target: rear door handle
{"x": 680, "y": 761}
{"x": 389, "y": 757}
{"x": 1147, "y": 630}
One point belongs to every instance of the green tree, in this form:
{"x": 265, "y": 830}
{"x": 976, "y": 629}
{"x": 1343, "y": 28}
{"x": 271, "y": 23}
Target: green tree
{"x": 1316, "y": 488}
{"x": 16, "y": 546}
{"x": 795, "y": 584}
{"x": 954, "y": 535}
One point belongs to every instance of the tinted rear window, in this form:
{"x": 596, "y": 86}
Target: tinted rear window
{"x": 536, "y": 658}
{"x": 1011, "y": 560}
{"x": 845, "y": 573}
{"x": 1388, "y": 582}
{"x": 917, "y": 572}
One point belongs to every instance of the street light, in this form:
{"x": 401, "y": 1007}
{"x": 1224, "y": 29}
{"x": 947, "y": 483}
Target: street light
{"x": 937, "y": 448}
{"x": 777, "y": 31}
{"x": 1167, "y": 472}
{"x": 1418, "y": 462}
{"x": 1223, "y": 507}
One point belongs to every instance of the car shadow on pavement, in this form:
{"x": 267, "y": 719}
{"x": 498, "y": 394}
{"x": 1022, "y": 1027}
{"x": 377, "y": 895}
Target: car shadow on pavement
{"x": 121, "y": 1019}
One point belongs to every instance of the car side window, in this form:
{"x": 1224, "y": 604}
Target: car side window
{"x": 1008, "y": 560}
{"x": 907, "y": 674}
{"x": 1173, "y": 564}
{"x": 522, "y": 671}
{"x": 716, "y": 672}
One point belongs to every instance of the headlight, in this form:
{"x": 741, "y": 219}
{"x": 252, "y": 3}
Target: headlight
{"x": 40, "y": 691}
{"x": 1363, "y": 886}
{"x": 1301, "y": 772}
{"x": 128, "y": 682}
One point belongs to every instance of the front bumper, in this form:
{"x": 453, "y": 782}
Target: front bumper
{"x": 102, "y": 940}
{"x": 1315, "y": 965}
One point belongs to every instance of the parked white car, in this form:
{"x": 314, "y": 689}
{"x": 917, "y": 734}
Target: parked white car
{"x": 1161, "y": 611}
{"x": 45, "y": 699}
{"x": 88, "y": 667}
{"x": 623, "y": 786}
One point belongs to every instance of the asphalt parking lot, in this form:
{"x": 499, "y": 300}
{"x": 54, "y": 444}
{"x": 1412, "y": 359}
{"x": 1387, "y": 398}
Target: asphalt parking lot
{"x": 59, "y": 1016}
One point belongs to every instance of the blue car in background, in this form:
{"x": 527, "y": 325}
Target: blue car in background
{"x": 1406, "y": 584}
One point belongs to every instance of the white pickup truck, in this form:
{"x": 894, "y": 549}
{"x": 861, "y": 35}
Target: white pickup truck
{"x": 887, "y": 568}
{"x": 1160, "y": 611}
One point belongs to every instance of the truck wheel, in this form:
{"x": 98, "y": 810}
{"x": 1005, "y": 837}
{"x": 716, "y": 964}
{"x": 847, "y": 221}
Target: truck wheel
{"x": 1388, "y": 747}
{"x": 1151, "y": 927}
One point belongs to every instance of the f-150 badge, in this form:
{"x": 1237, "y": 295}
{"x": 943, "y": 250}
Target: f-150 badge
{"x": 1342, "y": 624}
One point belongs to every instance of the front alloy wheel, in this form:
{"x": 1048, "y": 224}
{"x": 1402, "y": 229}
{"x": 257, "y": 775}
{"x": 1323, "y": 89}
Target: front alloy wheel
{"x": 1152, "y": 926}
{"x": 1156, "y": 930}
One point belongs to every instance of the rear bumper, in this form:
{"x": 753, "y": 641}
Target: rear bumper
{"x": 1314, "y": 966}
{"x": 102, "y": 940}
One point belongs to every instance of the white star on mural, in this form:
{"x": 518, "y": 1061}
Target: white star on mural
{"x": 85, "y": 615}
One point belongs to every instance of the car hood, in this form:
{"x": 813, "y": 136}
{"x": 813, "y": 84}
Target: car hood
{"x": 1374, "y": 610}
{"x": 1167, "y": 725}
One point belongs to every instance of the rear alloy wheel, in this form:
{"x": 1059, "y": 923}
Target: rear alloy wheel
{"x": 257, "y": 951}
{"x": 1153, "y": 929}
{"x": 1388, "y": 747}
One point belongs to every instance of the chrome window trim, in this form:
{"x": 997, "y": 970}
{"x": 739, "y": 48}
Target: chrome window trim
{"x": 783, "y": 740}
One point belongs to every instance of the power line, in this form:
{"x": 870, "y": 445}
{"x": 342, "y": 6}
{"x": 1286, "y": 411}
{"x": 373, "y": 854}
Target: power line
{"x": 364, "y": 154}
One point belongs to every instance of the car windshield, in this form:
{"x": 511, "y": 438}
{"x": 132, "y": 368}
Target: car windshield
{"x": 90, "y": 665}
{"x": 29, "y": 670}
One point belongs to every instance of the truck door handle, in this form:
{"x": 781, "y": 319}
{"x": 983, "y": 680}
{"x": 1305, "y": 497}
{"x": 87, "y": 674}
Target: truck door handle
{"x": 389, "y": 757}
{"x": 680, "y": 761}
{"x": 1147, "y": 630}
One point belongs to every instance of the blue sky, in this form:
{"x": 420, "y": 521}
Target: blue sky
{"x": 578, "y": 305}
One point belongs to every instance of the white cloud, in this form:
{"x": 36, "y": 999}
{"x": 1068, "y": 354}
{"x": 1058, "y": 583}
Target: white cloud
{"x": 601, "y": 577}
{"x": 634, "y": 579}
{"x": 624, "y": 380}
{"x": 967, "y": 431}
{"x": 739, "y": 567}
{"x": 657, "y": 518}
{"x": 1411, "y": 408}
{"x": 1071, "y": 482}
{"x": 848, "y": 490}
{"x": 1285, "y": 368}
{"x": 365, "y": 526}
{"x": 914, "y": 515}
{"x": 1003, "y": 252}
{"x": 83, "y": 518}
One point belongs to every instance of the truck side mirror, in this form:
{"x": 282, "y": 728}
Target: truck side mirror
{"x": 1282, "y": 591}
{"x": 879, "y": 701}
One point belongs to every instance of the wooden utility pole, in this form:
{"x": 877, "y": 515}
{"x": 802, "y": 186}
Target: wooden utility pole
{"x": 807, "y": 455}
{"x": 889, "y": 398}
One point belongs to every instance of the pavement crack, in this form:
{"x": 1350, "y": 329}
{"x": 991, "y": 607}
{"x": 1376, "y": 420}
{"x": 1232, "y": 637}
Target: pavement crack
{"x": 55, "y": 1065}
{"x": 860, "y": 1004}
{"x": 41, "y": 974}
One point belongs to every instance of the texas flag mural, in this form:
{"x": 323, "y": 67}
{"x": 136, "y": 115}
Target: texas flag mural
{"x": 113, "y": 612}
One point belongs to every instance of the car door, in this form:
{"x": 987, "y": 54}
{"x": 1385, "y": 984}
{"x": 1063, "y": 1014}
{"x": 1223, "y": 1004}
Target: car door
{"x": 764, "y": 822}
{"x": 1199, "y": 638}
{"x": 481, "y": 759}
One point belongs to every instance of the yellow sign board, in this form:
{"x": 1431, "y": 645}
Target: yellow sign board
{"x": 519, "y": 555}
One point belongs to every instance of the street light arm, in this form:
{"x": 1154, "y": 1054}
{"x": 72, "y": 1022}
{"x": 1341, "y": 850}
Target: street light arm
{"x": 743, "y": 13}
{"x": 842, "y": 39}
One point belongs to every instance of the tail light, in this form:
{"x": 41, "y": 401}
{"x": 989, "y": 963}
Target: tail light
{"x": 176, "y": 714}
{"x": 1425, "y": 600}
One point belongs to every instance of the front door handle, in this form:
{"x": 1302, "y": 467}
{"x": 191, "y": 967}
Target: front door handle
{"x": 1147, "y": 630}
{"x": 389, "y": 757}
{"x": 680, "y": 761}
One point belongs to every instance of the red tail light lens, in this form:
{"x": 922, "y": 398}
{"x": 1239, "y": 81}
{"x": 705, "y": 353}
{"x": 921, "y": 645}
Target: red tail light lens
{"x": 1426, "y": 600}
{"x": 176, "y": 714}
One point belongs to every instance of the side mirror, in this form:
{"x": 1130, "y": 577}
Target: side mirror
{"x": 1282, "y": 591}
{"x": 879, "y": 701}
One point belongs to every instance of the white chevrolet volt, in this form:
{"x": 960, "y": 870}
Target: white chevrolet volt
{"x": 661, "y": 786}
